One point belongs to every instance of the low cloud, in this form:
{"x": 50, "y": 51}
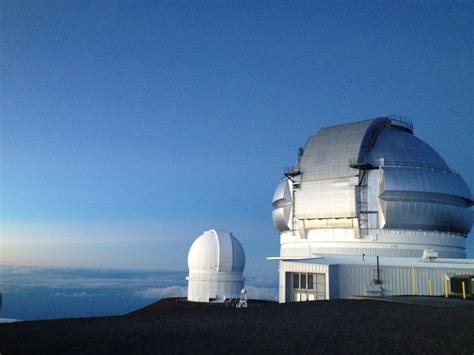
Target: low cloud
{"x": 9, "y": 320}
{"x": 74, "y": 294}
{"x": 253, "y": 292}
{"x": 87, "y": 282}
{"x": 14, "y": 278}
{"x": 164, "y": 292}
{"x": 262, "y": 293}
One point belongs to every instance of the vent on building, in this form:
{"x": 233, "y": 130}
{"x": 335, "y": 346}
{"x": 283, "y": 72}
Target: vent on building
{"x": 430, "y": 254}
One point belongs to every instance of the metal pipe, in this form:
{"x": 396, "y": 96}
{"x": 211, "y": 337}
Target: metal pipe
{"x": 464, "y": 290}
{"x": 378, "y": 270}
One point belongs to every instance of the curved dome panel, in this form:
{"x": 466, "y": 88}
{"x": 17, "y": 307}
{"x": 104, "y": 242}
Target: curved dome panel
{"x": 203, "y": 254}
{"x": 396, "y": 146}
{"x": 283, "y": 205}
{"x": 217, "y": 251}
{"x": 415, "y": 215}
{"x": 283, "y": 194}
{"x": 238, "y": 255}
{"x": 425, "y": 199}
{"x": 282, "y": 218}
{"x": 328, "y": 152}
{"x": 432, "y": 185}
{"x": 419, "y": 190}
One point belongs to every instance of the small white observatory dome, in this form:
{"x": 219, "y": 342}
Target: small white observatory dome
{"x": 216, "y": 262}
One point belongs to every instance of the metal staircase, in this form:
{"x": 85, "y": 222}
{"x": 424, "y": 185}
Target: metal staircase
{"x": 363, "y": 203}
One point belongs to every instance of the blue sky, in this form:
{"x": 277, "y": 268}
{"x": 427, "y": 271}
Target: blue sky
{"x": 129, "y": 128}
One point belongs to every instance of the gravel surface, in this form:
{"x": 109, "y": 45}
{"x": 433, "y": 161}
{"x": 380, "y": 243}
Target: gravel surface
{"x": 175, "y": 326}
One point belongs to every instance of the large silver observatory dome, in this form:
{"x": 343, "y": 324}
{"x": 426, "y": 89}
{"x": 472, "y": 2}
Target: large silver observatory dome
{"x": 371, "y": 187}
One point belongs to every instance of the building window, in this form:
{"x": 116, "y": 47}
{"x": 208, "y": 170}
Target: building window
{"x": 303, "y": 281}
{"x": 310, "y": 282}
{"x": 296, "y": 280}
{"x": 309, "y": 287}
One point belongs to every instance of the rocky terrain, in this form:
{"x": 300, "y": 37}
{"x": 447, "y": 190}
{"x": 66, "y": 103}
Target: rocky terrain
{"x": 176, "y": 326}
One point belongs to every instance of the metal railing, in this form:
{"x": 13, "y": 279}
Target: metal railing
{"x": 381, "y": 162}
{"x": 401, "y": 119}
{"x": 292, "y": 170}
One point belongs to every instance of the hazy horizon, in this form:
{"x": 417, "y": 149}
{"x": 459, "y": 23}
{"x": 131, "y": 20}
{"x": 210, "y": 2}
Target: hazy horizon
{"x": 31, "y": 293}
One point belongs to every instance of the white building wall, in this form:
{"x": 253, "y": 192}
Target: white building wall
{"x": 396, "y": 280}
{"x": 406, "y": 243}
{"x": 346, "y": 280}
{"x": 217, "y": 287}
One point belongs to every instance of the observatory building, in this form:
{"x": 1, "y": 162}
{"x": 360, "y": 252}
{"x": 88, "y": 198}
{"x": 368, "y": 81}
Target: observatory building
{"x": 216, "y": 262}
{"x": 370, "y": 209}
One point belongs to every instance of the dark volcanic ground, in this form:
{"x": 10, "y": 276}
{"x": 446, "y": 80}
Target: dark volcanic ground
{"x": 173, "y": 326}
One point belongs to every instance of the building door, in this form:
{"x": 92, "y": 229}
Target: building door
{"x": 308, "y": 287}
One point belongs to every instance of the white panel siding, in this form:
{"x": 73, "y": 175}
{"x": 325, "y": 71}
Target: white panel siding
{"x": 346, "y": 280}
{"x": 396, "y": 280}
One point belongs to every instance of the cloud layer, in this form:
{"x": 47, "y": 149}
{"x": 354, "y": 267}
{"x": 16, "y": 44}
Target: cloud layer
{"x": 9, "y": 320}
{"x": 163, "y": 292}
{"x": 253, "y": 292}
{"x": 262, "y": 293}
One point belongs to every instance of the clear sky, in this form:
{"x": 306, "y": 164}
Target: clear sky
{"x": 128, "y": 128}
